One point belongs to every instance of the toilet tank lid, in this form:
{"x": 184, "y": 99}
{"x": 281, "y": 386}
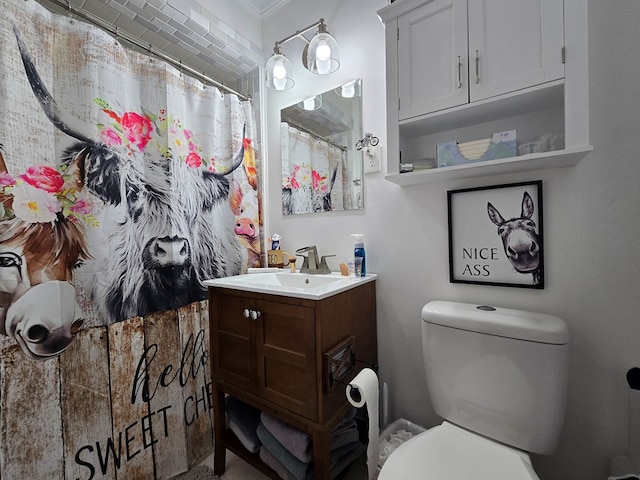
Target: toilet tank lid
{"x": 503, "y": 322}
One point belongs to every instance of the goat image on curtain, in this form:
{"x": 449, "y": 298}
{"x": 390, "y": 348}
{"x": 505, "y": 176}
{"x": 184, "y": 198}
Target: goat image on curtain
{"x": 115, "y": 183}
{"x": 314, "y": 173}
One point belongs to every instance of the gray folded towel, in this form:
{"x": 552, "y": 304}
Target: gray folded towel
{"x": 273, "y": 462}
{"x": 299, "y": 444}
{"x": 295, "y": 441}
{"x": 297, "y": 468}
{"x": 349, "y": 454}
{"x": 243, "y": 420}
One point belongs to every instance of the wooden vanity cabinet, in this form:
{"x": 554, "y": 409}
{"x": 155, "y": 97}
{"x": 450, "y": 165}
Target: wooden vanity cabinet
{"x": 268, "y": 351}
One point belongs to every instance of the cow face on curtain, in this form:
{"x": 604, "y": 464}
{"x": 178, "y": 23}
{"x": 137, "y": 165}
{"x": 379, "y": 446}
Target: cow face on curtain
{"x": 123, "y": 184}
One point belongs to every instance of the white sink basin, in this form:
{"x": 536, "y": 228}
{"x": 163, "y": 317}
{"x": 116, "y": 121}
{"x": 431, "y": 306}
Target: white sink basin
{"x": 299, "y": 285}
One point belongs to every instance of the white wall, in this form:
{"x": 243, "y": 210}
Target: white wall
{"x": 591, "y": 226}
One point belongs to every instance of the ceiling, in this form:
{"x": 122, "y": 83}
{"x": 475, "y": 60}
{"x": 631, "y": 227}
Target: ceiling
{"x": 263, "y": 8}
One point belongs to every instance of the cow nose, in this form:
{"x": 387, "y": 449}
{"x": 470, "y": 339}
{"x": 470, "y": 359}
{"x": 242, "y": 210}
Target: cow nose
{"x": 37, "y": 333}
{"x": 169, "y": 251}
{"x": 245, "y": 226}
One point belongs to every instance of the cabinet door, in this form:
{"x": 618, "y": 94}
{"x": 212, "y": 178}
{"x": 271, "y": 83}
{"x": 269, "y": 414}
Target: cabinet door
{"x": 232, "y": 342}
{"x": 432, "y": 58}
{"x": 286, "y": 357}
{"x": 514, "y": 44}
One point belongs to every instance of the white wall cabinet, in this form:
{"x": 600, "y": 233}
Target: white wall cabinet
{"x": 462, "y": 70}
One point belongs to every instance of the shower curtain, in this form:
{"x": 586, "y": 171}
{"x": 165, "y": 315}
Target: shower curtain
{"x": 123, "y": 185}
{"x": 315, "y": 175}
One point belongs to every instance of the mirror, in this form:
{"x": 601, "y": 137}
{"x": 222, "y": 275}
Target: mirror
{"x": 321, "y": 169}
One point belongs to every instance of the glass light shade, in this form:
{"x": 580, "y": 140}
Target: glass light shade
{"x": 313, "y": 103}
{"x": 279, "y": 72}
{"x": 322, "y": 53}
{"x": 349, "y": 90}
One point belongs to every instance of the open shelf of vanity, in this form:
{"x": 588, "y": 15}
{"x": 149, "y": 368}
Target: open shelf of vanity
{"x": 558, "y": 105}
{"x": 277, "y": 362}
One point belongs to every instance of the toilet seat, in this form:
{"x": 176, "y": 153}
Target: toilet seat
{"x": 448, "y": 452}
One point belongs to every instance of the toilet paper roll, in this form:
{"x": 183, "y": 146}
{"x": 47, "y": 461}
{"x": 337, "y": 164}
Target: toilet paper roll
{"x": 363, "y": 390}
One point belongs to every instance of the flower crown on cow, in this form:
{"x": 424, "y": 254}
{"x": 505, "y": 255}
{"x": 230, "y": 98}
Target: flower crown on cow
{"x": 134, "y": 131}
{"x": 41, "y": 195}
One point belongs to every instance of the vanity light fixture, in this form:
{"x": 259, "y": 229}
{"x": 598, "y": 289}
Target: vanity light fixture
{"x": 320, "y": 56}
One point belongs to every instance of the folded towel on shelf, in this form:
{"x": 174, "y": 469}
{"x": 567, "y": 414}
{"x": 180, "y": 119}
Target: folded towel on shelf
{"x": 337, "y": 465}
{"x": 296, "y": 442}
{"x": 300, "y": 444}
{"x": 344, "y": 437}
{"x": 341, "y": 457}
{"x": 243, "y": 420}
{"x": 293, "y": 465}
{"x": 271, "y": 461}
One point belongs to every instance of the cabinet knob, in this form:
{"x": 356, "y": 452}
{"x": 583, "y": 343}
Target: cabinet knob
{"x": 255, "y": 314}
{"x": 246, "y": 313}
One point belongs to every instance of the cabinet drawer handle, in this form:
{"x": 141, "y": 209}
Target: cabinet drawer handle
{"x": 477, "y": 67}
{"x": 459, "y": 72}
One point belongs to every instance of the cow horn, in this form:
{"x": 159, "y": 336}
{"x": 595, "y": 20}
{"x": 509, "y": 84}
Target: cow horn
{"x": 60, "y": 119}
{"x": 240, "y": 157}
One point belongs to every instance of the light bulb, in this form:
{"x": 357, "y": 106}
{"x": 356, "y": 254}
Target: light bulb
{"x": 323, "y": 51}
{"x": 309, "y": 103}
{"x": 279, "y": 75}
{"x": 349, "y": 90}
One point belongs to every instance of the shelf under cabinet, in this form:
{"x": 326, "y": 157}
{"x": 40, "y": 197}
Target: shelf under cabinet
{"x": 534, "y": 161}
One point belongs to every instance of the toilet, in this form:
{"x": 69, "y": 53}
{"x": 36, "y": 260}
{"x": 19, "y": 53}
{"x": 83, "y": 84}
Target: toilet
{"x": 498, "y": 378}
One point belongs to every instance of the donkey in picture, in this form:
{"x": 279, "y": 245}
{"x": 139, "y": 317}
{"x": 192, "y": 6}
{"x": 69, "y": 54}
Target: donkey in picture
{"x": 520, "y": 239}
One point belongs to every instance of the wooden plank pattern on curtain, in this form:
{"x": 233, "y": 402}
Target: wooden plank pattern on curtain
{"x": 86, "y": 403}
{"x": 30, "y": 421}
{"x": 162, "y": 340}
{"x": 73, "y": 418}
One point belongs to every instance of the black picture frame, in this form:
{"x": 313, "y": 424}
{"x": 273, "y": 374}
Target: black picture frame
{"x": 496, "y": 235}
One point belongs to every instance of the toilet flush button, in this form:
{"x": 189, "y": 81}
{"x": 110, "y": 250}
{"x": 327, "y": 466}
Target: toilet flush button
{"x": 486, "y": 308}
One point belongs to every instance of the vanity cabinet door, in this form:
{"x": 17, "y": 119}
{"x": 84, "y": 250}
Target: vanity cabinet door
{"x": 232, "y": 344}
{"x": 285, "y": 342}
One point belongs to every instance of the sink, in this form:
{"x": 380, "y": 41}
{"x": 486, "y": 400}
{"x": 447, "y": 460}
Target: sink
{"x": 299, "y": 285}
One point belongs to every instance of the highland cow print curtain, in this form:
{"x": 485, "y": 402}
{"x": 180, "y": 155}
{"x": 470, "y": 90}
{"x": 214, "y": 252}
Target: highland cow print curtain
{"x": 123, "y": 185}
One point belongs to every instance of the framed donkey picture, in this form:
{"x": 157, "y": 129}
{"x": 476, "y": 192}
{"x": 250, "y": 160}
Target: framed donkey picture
{"x": 496, "y": 235}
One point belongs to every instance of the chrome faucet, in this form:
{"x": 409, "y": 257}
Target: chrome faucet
{"x": 310, "y": 262}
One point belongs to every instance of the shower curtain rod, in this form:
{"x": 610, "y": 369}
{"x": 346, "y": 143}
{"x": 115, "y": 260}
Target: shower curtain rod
{"x": 117, "y": 33}
{"x": 315, "y": 135}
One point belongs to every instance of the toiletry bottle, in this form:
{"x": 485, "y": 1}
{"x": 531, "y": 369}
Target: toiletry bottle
{"x": 358, "y": 254}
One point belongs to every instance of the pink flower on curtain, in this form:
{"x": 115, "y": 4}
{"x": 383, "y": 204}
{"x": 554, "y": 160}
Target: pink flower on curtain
{"x": 193, "y": 160}
{"x": 137, "y": 128}
{"x": 44, "y": 177}
{"x": 40, "y": 194}
{"x": 6, "y": 180}
{"x": 110, "y": 137}
{"x": 318, "y": 181}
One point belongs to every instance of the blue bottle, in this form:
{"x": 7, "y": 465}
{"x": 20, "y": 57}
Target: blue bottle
{"x": 359, "y": 256}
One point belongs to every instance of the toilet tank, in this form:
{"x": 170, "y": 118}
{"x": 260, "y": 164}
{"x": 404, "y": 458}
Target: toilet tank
{"x": 499, "y": 372}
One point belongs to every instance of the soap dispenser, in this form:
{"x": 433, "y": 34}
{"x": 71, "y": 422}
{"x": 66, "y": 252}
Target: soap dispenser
{"x": 359, "y": 256}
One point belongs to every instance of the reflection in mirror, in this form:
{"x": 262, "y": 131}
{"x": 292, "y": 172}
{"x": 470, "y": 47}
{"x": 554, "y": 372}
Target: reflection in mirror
{"x": 321, "y": 168}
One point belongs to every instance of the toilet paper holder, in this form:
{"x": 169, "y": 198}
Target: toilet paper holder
{"x": 339, "y": 363}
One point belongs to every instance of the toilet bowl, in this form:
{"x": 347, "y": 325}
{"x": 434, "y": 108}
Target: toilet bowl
{"x": 448, "y": 452}
{"x": 498, "y": 378}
